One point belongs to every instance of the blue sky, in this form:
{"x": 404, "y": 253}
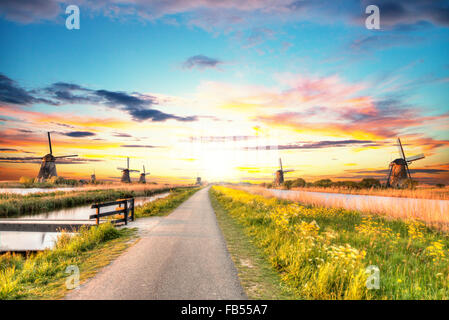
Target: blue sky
{"x": 255, "y": 64}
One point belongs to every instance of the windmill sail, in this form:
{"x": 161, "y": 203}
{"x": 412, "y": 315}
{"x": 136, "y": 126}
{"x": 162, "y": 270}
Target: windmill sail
{"x": 414, "y": 158}
{"x": 49, "y": 142}
{"x": 401, "y": 150}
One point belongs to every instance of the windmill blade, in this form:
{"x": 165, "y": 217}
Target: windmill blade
{"x": 389, "y": 176}
{"x": 69, "y": 156}
{"x": 49, "y": 143}
{"x": 121, "y": 169}
{"x": 289, "y": 170}
{"x": 131, "y": 170}
{"x": 127, "y": 161}
{"x": 280, "y": 163}
{"x": 401, "y": 150}
{"x": 414, "y": 158}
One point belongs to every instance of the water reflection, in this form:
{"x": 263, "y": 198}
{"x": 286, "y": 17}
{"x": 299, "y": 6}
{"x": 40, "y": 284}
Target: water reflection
{"x": 24, "y": 191}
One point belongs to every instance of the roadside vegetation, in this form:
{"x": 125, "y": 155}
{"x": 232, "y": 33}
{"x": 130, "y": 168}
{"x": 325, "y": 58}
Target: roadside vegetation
{"x": 368, "y": 186}
{"x": 164, "y": 206}
{"x": 258, "y": 278}
{"x": 323, "y": 253}
{"x": 13, "y": 205}
{"x": 43, "y": 275}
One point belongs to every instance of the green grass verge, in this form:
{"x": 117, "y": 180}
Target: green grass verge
{"x": 164, "y": 206}
{"x": 16, "y": 205}
{"x": 257, "y": 276}
{"x": 323, "y": 253}
{"x": 42, "y": 275}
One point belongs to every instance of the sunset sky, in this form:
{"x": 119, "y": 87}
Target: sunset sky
{"x": 222, "y": 89}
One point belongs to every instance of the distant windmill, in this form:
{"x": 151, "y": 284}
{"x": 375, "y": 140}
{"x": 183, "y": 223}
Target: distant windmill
{"x": 48, "y": 166}
{"x": 93, "y": 178}
{"x": 125, "y": 173}
{"x": 198, "y": 181}
{"x": 279, "y": 179}
{"x": 142, "y": 178}
{"x": 399, "y": 172}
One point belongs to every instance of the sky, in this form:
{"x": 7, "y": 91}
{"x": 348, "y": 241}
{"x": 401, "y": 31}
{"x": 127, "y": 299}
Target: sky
{"x": 223, "y": 89}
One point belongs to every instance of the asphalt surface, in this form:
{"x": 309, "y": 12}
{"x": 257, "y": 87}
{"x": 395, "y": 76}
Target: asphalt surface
{"x": 181, "y": 256}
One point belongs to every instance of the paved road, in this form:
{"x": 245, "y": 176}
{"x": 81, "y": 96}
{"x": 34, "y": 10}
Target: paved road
{"x": 181, "y": 256}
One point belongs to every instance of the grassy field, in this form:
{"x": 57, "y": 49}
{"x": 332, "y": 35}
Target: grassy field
{"x": 12, "y": 205}
{"x": 323, "y": 253}
{"x": 42, "y": 275}
{"x": 164, "y": 206}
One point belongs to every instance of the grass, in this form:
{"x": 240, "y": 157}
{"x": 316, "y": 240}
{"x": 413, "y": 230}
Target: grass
{"x": 433, "y": 213}
{"x": 164, "y": 206}
{"x": 418, "y": 193}
{"x": 12, "y": 205}
{"x": 257, "y": 276}
{"x": 323, "y": 253}
{"x": 42, "y": 275}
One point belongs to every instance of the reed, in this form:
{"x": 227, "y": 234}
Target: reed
{"x": 418, "y": 193}
{"x": 433, "y": 213}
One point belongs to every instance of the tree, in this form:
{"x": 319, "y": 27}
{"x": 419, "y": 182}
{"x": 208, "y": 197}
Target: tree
{"x": 324, "y": 183}
{"x": 298, "y": 183}
{"x": 369, "y": 183}
{"x": 288, "y": 184}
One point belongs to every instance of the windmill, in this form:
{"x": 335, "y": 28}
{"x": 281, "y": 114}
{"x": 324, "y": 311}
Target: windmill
{"x": 125, "y": 173}
{"x": 93, "y": 178}
{"x": 198, "y": 180}
{"x": 142, "y": 178}
{"x": 399, "y": 172}
{"x": 48, "y": 166}
{"x": 279, "y": 179}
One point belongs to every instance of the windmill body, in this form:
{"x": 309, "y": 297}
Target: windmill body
{"x": 279, "y": 174}
{"x": 142, "y": 178}
{"x": 48, "y": 168}
{"x": 125, "y": 173}
{"x": 93, "y": 178}
{"x": 279, "y": 179}
{"x": 399, "y": 173}
{"x": 198, "y": 181}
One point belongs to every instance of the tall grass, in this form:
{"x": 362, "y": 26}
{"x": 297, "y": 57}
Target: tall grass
{"x": 323, "y": 253}
{"x": 165, "y": 205}
{"x": 22, "y": 277}
{"x": 434, "y": 213}
{"x": 16, "y": 205}
{"x": 418, "y": 193}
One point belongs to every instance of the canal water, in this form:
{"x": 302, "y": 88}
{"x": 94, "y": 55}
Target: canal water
{"x": 32, "y": 241}
{"x": 24, "y": 191}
